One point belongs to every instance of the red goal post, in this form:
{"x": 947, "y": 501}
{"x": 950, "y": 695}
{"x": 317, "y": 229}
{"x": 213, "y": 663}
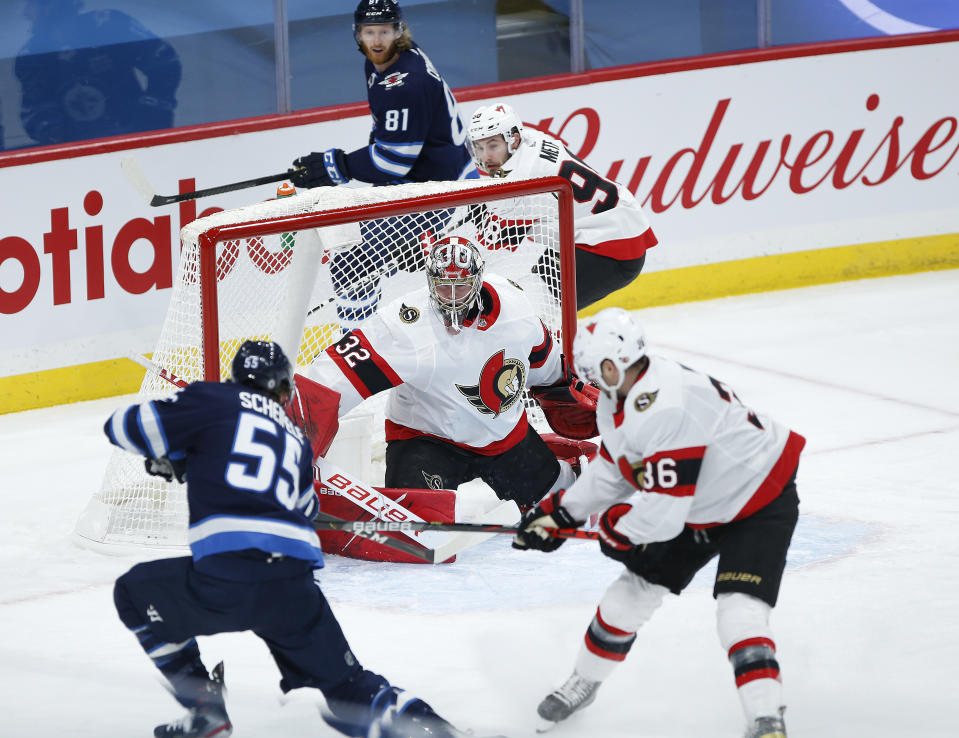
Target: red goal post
{"x": 289, "y": 269}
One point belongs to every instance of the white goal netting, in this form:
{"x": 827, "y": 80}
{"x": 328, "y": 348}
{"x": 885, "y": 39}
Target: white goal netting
{"x": 300, "y": 270}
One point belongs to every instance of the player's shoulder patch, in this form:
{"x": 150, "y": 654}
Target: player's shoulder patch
{"x": 409, "y": 314}
{"x": 644, "y": 400}
{"x": 393, "y": 80}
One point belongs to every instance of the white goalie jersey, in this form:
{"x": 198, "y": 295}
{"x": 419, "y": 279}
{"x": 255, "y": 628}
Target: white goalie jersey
{"x": 608, "y": 220}
{"x": 464, "y": 388}
{"x": 682, "y": 450}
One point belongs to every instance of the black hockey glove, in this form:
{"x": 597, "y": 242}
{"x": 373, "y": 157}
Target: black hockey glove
{"x": 549, "y": 513}
{"x": 167, "y": 468}
{"x": 320, "y": 169}
{"x": 611, "y": 542}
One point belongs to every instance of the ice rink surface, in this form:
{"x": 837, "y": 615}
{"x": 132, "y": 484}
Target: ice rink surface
{"x": 867, "y": 625}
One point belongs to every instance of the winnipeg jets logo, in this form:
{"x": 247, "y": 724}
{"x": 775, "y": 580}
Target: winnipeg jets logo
{"x": 500, "y": 385}
{"x": 394, "y": 79}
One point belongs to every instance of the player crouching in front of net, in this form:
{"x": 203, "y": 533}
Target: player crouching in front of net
{"x": 250, "y": 494}
{"x": 458, "y": 354}
{"x": 685, "y": 472}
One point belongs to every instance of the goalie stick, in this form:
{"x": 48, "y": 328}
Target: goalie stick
{"x": 367, "y": 526}
{"x": 325, "y": 521}
{"x": 141, "y": 184}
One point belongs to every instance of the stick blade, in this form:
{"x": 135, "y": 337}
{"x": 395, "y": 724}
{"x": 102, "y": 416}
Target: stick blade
{"x": 137, "y": 179}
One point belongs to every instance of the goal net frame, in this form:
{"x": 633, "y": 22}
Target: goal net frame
{"x": 101, "y": 524}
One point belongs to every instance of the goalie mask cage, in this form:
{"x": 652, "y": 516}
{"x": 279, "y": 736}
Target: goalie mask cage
{"x": 300, "y": 270}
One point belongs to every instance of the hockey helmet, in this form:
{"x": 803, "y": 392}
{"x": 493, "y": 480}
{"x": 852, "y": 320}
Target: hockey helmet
{"x": 454, "y": 271}
{"x": 610, "y": 334}
{"x": 263, "y": 366}
{"x": 378, "y": 11}
{"x": 492, "y": 120}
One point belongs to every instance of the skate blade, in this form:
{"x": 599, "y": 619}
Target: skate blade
{"x": 545, "y": 726}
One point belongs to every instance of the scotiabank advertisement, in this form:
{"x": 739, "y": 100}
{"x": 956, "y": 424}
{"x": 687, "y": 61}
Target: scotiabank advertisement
{"x": 731, "y": 162}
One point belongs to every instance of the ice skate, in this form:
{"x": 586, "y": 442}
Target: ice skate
{"x": 767, "y": 727}
{"x": 574, "y": 695}
{"x": 206, "y": 718}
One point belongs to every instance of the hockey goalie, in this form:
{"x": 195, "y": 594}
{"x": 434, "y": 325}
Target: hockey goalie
{"x": 456, "y": 355}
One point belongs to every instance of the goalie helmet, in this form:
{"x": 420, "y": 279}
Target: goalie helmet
{"x": 378, "y": 11}
{"x": 611, "y": 334}
{"x": 263, "y": 366}
{"x": 454, "y": 271}
{"x": 498, "y": 119}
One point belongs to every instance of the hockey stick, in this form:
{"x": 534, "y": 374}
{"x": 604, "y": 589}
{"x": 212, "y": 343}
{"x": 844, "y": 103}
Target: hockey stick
{"x": 325, "y": 521}
{"x": 160, "y": 371}
{"x": 366, "y": 526}
{"x": 142, "y": 185}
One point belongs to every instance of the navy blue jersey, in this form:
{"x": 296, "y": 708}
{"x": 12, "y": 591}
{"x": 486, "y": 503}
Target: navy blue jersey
{"x": 248, "y": 467}
{"x": 417, "y": 135}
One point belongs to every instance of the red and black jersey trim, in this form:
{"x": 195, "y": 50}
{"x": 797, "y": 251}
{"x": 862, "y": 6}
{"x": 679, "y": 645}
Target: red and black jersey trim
{"x": 682, "y": 475}
{"x": 365, "y": 369}
{"x": 397, "y": 432}
{"x": 604, "y": 453}
{"x": 607, "y": 642}
{"x": 492, "y": 305}
{"x": 539, "y": 354}
{"x": 774, "y": 483}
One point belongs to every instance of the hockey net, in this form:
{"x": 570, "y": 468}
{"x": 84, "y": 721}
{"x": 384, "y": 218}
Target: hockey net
{"x": 300, "y": 270}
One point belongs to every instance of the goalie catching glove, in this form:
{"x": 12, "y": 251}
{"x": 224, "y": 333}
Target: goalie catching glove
{"x": 549, "y": 513}
{"x": 569, "y": 405}
{"x": 167, "y": 468}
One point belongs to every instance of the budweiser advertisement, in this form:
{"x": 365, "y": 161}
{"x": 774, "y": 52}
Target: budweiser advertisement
{"x": 737, "y": 159}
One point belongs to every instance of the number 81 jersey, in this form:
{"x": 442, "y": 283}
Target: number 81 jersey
{"x": 608, "y": 220}
{"x": 685, "y": 451}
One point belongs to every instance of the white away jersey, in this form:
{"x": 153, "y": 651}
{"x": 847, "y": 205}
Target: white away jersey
{"x": 608, "y": 220}
{"x": 685, "y": 451}
{"x": 465, "y": 388}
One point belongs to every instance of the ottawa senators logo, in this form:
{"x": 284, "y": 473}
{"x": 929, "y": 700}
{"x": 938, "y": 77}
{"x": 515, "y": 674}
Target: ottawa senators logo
{"x": 501, "y": 384}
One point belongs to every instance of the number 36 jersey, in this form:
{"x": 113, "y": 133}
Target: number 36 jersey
{"x": 685, "y": 451}
{"x": 608, "y": 220}
{"x": 248, "y": 467}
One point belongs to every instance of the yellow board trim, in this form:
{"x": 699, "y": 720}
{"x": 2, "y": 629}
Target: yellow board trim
{"x": 785, "y": 271}
{"x": 705, "y": 282}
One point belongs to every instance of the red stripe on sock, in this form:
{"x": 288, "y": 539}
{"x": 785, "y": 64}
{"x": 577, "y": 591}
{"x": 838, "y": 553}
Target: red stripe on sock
{"x": 751, "y": 676}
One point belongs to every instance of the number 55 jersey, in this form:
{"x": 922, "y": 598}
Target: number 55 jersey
{"x": 248, "y": 467}
{"x": 685, "y": 451}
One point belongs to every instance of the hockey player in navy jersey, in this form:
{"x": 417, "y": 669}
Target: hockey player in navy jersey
{"x": 418, "y": 136}
{"x": 457, "y": 355}
{"x": 685, "y": 473}
{"x": 249, "y": 480}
